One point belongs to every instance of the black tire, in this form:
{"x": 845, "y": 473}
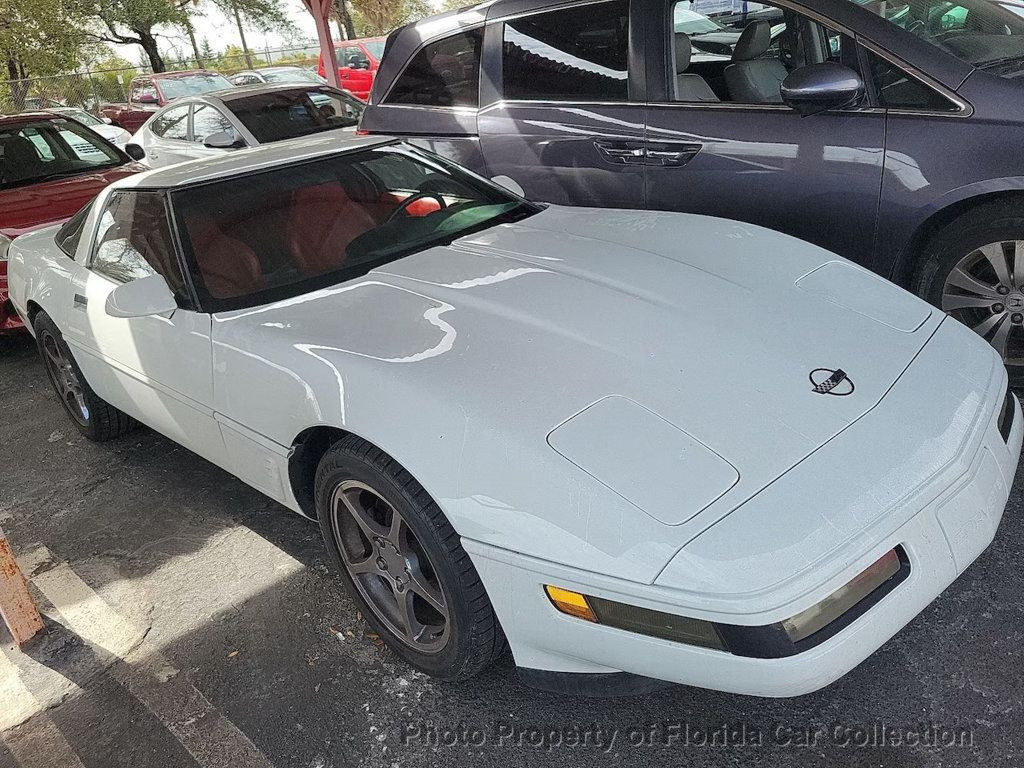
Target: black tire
{"x": 473, "y": 638}
{"x": 93, "y": 416}
{"x": 958, "y": 243}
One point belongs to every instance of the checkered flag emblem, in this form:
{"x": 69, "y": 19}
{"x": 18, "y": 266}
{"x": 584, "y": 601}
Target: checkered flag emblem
{"x": 835, "y": 379}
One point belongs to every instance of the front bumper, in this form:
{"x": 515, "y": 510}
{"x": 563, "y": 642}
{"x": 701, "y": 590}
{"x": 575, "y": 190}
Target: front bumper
{"x": 942, "y": 525}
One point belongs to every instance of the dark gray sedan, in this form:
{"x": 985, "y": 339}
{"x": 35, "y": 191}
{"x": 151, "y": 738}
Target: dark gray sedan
{"x": 887, "y": 131}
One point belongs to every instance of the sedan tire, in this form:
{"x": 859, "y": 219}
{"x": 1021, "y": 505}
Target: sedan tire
{"x": 403, "y": 563}
{"x": 93, "y": 416}
{"x": 973, "y": 269}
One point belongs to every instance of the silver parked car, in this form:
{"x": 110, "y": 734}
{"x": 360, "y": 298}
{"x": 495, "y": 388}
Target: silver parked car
{"x": 208, "y": 125}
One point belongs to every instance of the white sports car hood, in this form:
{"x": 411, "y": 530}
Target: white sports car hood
{"x": 709, "y": 328}
{"x": 613, "y": 377}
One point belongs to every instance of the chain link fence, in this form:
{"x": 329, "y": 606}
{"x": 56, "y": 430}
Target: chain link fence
{"x": 90, "y": 89}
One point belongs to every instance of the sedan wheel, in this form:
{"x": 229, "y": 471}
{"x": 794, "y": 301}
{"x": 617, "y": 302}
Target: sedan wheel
{"x": 985, "y": 290}
{"x": 389, "y": 567}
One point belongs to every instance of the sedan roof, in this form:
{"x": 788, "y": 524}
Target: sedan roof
{"x": 263, "y": 157}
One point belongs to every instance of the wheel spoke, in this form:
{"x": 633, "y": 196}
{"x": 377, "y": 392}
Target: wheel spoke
{"x": 966, "y": 282}
{"x": 370, "y": 528}
{"x": 954, "y": 301}
{"x": 410, "y": 624}
{"x": 994, "y": 254}
{"x": 394, "y": 534}
{"x": 419, "y": 584}
{"x": 1018, "y": 264}
{"x": 368, "y": 565}
{"x": 1002, "y": 333}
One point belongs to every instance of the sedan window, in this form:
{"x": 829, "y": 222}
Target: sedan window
{"x": 51, "y": 149}
{"x": 299, "y": 112}
{"x": 283, "y": 232}
{"x": 206, "y": 121}
{"x": 133, "y": 240}
{"x": 172, "y": 123}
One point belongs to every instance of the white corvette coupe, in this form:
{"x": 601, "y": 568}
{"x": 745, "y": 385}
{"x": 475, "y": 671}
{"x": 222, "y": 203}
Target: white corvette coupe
{"x": 632, "y": 445}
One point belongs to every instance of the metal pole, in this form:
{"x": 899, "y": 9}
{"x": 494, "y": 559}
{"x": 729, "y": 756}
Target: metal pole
{"x": 16, "y": 605}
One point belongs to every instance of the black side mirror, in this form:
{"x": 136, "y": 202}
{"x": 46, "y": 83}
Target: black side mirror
{"x": 135, "y": 152}
{"x": 815, "y": 88}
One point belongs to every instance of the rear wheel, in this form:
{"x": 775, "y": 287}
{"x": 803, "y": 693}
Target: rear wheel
{"x": 94, "y": 417}
{"x": 973, "y": 269}
{"x": 403, "y": 563}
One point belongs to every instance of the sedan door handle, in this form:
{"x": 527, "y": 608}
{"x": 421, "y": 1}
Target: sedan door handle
{"x": 621, "y": 152}
{"x": 672, "y": 153}
{"x": 80, "y": 301}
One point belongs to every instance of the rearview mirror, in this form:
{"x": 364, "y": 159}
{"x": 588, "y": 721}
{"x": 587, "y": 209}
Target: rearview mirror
{"x": 223, "y": 140}
{"x": 134, "y": 151}
{"x": 815, "y": 88}
{"x": 510, "y": 184}
{"x": 144, "y": 297}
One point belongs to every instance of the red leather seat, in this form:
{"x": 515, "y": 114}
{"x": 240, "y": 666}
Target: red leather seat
{"x": 229, "y": 267}
{"x": 322, "y": 222}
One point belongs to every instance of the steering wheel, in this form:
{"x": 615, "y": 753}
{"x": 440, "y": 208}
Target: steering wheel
{"x": 404, "y": 205}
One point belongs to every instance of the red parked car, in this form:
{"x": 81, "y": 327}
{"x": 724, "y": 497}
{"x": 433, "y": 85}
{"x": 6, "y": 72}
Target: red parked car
{"x": 50, "y": 167}
{"x": 357, "y": 64}
{"x": 148, "y": 93}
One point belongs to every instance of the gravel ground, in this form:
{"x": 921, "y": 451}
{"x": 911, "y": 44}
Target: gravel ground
{"x": 242, "y": 648}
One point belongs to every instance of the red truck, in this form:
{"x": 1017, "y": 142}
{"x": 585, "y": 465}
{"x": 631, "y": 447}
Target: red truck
{"x": 50, "y": 167}
{"x": 357, "y": 64}
{"x": 148, "y": 93}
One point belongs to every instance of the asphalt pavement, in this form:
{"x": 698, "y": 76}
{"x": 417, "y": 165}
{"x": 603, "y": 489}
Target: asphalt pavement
{"x": 194, "y": 622}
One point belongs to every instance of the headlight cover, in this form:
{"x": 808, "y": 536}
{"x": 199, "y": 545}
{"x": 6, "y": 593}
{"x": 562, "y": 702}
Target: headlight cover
{"x": 789, "y": 637}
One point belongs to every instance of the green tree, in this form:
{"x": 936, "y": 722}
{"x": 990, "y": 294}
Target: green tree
{"x": 135, "y": 22}
{"x": 378, "y": 17}
{"x": 38, "y": 37}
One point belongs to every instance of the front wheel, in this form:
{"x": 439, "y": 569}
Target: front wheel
{"x": 403, "y": 563}
{"x": 973, "y": 269}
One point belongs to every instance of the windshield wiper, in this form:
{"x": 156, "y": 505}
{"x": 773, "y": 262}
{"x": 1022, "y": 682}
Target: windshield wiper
{"x": 1001, "y": 61}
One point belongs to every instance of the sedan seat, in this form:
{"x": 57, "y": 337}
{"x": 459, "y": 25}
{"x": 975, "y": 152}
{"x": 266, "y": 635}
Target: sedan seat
{"x": 751, "y": 79}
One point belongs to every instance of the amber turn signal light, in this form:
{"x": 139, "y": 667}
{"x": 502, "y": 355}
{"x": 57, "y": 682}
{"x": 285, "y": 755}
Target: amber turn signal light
{"x": 571, "y": 603}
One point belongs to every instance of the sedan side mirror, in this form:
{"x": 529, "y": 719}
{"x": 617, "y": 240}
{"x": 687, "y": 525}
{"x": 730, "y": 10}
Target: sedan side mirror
{"x": 815, "y": 88}
{"x": 223, "y": 140}
{"x": 148, "y": 98}
{"x": 144, "y": 297}
{"x": 107, "y": 120}
{"x": 134, "y": 151}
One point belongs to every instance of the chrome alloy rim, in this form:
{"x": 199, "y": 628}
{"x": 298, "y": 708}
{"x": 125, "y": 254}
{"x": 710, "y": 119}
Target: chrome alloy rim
{"x": 389, "y": 567}
{"x": 65, "y": 379}
{"x": 985, "y": 291}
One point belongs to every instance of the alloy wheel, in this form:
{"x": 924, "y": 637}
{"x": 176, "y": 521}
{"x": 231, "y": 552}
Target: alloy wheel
{"x": 985, "y": 291}
{"x": 389, "y": 567}
{"x": 65, "y": 379}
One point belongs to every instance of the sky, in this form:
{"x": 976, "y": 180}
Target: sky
{"x": 220, "y": 32}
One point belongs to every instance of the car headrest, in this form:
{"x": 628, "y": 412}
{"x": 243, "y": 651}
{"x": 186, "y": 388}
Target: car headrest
{"x": 683, "y": 52}
{"x": 754, "y": 41}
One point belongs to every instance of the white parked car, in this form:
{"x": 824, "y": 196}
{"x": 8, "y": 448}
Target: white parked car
{"x": 282, "y": 74}
{"x": 209, "y": 125}
{"x": 115, "y": 134}
{"x": 634, "y": 445}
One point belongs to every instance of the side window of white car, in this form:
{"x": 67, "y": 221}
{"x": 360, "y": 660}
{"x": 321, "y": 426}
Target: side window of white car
{"x": 172, "y": 124}
{"x": 206, "y": 121}
{"x": 133, "y": 240}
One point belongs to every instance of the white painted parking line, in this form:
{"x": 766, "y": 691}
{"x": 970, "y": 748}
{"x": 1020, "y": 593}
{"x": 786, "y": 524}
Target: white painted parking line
{"x": 41, "y": 745}
{"x": 211, "y": 739}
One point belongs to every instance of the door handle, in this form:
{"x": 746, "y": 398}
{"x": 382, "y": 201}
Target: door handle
{"x": 621, "y": 152}
{"x": 80, "y": 300}
{"x": 672, "y": 153}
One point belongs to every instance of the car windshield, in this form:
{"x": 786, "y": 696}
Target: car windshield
{"x": 299, "y": 112}
{"x": 985, "y": 33}
{"x": 31, "y": 153}
{"x": 290, "y": 76}
{"x": 191, "y": 85}
{"x": 277, "y": 234}
{"x": 375, "y": 47}
{"x": 81, "y": 116}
